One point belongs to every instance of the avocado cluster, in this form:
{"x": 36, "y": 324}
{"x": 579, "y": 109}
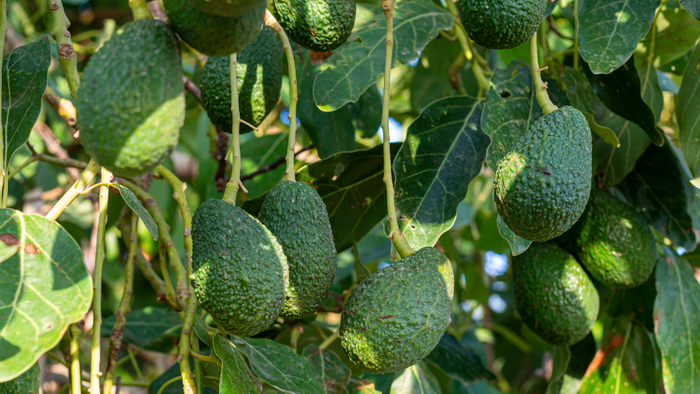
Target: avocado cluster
{"x": 132, "y": 100}
{"x": 501, "y": 24}
{"x": 259, "y": 71}
{"x": 396, "y": 317}
{"x": 318, "y": 25}
{"x": 27, "y": 383}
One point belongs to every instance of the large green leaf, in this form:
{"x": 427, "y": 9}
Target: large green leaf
{"x": 444, "y": 150}
{"x": 677, "y": 37}
{"x": 149, "y": 328}
{"x": 328, "y": 368}
{"x": 677, "y": 311}
{"x": 44, "y": 287}
{"x": 624, "y": 94}
{"x": 24, "y": 80}
{"x": 415, "y": 379}
{"x": 688, "y": 113}
{"x": 279, "y": 366}
{"x": 692, "y": 6}
{"x": 609, "y": 31}
{"x": 359, "y": 63}
{"x": 457, "y": 362}
{"x": 235, "y": 376}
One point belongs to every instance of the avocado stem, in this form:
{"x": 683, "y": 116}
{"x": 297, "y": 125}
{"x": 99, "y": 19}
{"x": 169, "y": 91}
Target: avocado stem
{"x": 540, "y": 86}
{"x": 75, "y": 374}
{"x": 293, "y": 94}
{"x": 396, "y": 236}
{"x": 468, "y": 50}
{"x": 85, "y": 178}
{"x": 66, "y": 52}
{"x": 140, "y": 10}
{"x": 234, "y": 183}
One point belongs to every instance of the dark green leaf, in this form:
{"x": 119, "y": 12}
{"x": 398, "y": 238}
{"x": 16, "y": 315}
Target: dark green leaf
{"x": 359, "y": 63}
{"x": 259, "y": 152}
{"x": 608, "y": 31}
{"x": 200, "y": 328}
{"x": 149, "y": 328}
{"x": 517, "y": 245}
{"x": 279, "y": 366}
{"x": 638, "y": 301}
{"x": 677, "y": 38}
{"x": 416, "y": 379}
{"x": 43, "y": 288}
{"x": 622, "y": 93}
{"x": 135, "y": 204}
{"x": 677, "y": 311}
{"x": 457, "y": 362}
{"x": 688, "y": 113}
{"x": 692, "y": 6}
{"x": 560, "y": 362}
{"x": 23, "y": 85}
{"x": 444, "y": 150}
{"x": 235, "y": 376}
{"x": 328, "y": 368}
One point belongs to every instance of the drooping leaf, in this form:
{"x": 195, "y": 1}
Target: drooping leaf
{"x": 676, "y": 38}
{"x": 517, "y": 245}
{"x": 677, "y": 312}
{"x": 622, "y": 92}
{"x": 457, "y": 362}
{"x": 444, "y": 150}
{"x": 608, "y": 31}
{"x": 328, "y": 368}
{"x": 135, "y": 204}
{"x": 235, "y": 375}
{"x": 149, "y": 328}
{"x": 359, "y": 63}
{"x": 415, "y": 379}
{"x": 44, "y": 287}
{"x": 560, "y": 362}
{"x": 688, "y": 113}
{"x": 692, "y": 6}
{"x": 24, "y": 77}
{"x": 279, "y": 366}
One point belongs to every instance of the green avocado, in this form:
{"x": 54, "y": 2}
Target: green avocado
{"x": 27, "y": 383}
{"x": 613, "y": 242}
{"x": 132, "y": 100}
{"x": 542, "y": 185}
{"x": 259, "y": 71}
{"x": 227, "y": 7}
{"x": 501, "y": 24}
{"x": 297, "y": 216}
{"x": 318, "y": 25}
{"x": 213, "y": 34}
{"x": 553, "y": 295}
{"x": 396, "y": 317}
{"x": 240, "y": 273}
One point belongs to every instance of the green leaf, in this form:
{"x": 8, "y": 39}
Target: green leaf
{"x": 677, "y": 38}
{"x": 258, "y": 152}
{"x": 677, "y": 311}
{"x": 359, "y": 63}
{"x": 457, "y": 362}
{"x": 150, "y": 328}
{"x": 622, "y": 92}
{"x": 200, "y": 328}
{"x": 211, "y": 369}
{"x": 628, "y": 362}
{"x": 235, "y": 376}
{"x": 328, "y": 368}
{"x": 444, "y": 150}
{"x": 135, "y": 204}
{"x": 659, "y": 188}
{"x": 360, "y": 270}
{"x": 43, "y": 288}
{"x": 608, "y": 31}
{"x": 550, "y": 7}
{"x": 7, "y": 251}
{"x": 688, "y": 113}
{"x": 24, "y": 77}
{"x": 638, "y": 301}
{"x": 279, "y": 366}
{"x": 415, "y": 379}
{"x": 692, "y": 6}
{"x": 560, "y": 362}
{"x": 517, "y": 245}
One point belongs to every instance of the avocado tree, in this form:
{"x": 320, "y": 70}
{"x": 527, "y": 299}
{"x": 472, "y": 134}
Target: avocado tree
{"x": 340, "y": 196}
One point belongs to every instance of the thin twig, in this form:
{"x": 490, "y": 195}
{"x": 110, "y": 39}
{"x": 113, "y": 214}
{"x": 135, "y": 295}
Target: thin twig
{"x": 274, "y": 164}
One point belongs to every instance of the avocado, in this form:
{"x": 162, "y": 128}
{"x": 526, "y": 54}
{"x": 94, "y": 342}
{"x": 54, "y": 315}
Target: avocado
{"x": 396, "y": 317}
{"x": 542, "y": 185}
{"x": 297, "y": 216}
{"x": 27, "y": 383}
{"x": 613, "y": 242}
{"x": 240, "y": 273}
{"x": 259, "y": 72}
{"x": 132, "y": 100}
{"x": 553, "y": 295}
{"x": 213, "y": 34}
{"x": 227, "y": 7}
{"x": 501, "y": 24}
{"x": 318, "y": 25}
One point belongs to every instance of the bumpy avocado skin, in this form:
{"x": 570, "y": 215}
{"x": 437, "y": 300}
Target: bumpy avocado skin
{"x": 553, "y": 294}
{"x": 213, "y": 34}
{"x": 319, "y": 25}
{"x": 240, "y": 273}
{"x": 27, "y": 383}
{"x": 613, "y": 242}
{"x": 297, "y": 216}
{"x": 501, "y": 24}
{"x": 396, "y": 317}
{"x": 131, "y": 100}
{"x": 542, "y": 185}
{"x": 259, "y": 72}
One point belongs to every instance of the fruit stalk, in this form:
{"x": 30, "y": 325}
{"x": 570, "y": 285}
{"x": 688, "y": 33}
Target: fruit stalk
{"x": 468, "y": 49}
{"x": 75, "y": 381}
{"x": 140, "y": 10}
{"x": 78, "y": 187}
{"x": 540, "y": 86}
{"x": 234, "y": 184}
{"x": 66, "y": 53}
{"x": 293, "y": 95}
{"x": 396, "y": 236}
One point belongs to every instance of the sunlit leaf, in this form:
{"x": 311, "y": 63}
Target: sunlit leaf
{"x": 677, "y": 38}
{"x": 416, "y": 379}
{"x": 517, "y": 245}
{"x": 235, "y": 375}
